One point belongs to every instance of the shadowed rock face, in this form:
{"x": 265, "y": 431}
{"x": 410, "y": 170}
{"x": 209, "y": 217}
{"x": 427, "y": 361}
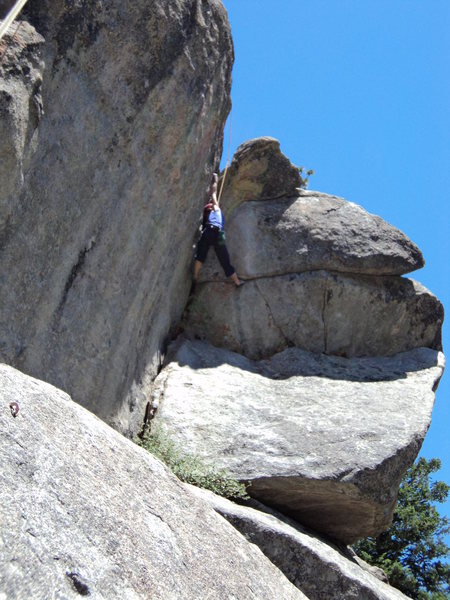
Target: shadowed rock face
{"x": 21, "y": 71}
{"x": 324, "y": 439}
{"x": 107, "y": 164}
{"x": 90, "y": 513}
{"x": 318, "y": 311}
{"x": 316, "y": 567}
{"x": 5, "y": 7}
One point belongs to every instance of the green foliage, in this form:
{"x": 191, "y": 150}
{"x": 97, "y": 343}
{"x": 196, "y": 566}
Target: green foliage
{"x": 305, "y": 177}
{"x": 189, "y": 468}
{"x": 411, "y": 550}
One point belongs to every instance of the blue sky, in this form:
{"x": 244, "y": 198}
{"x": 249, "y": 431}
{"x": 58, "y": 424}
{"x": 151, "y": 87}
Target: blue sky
{"x": 359, "y": 91}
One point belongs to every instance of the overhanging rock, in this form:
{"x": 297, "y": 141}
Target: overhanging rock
{"x": 323, "y": 439}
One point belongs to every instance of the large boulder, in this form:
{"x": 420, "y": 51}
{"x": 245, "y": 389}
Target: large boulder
{"x": 276, "y": 227}
{"x": 317, "y": 311}
{"x": 105, "y": 157}
{"x": 258, "y": 171}
{"x": 312, "y": 231}
{"x": 322, "y": 273}
{"x": 319, "y": 569}
{"x": 85, "y": 511}
{"x": 323, "y": 439}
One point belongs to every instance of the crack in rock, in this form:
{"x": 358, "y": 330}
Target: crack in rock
{"x": 284, "y": 337}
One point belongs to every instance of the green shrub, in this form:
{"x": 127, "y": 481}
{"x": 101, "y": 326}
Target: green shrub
{"x": 189, "y": 468}
{"x": 303, "y": 177}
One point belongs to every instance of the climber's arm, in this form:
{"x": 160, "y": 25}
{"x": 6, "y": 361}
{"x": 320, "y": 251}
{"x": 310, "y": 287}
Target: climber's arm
{"x": 213, "y": 192}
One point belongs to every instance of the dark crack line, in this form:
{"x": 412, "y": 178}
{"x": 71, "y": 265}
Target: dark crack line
{"x": 151, "y": 510}
{"x": 286, "y": 340}
{"x": 325, "y": 333}
{"x": 353, "y": 274}
{"x": 76, "y": 269}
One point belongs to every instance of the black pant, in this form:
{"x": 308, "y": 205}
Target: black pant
{"x": 211, "y": 236}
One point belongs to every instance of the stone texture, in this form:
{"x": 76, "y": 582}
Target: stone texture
{"x": 258, "y": 171}
{"x": 318, "y": 311}
{"x": 317, "y": 568}
{"x": 372, "y": 569}
{"x": 21, "y": 70}
{"x": 85, "y": 511}
{"x": 323, "y": 439}
{"x": 105, "y": 188}
{"x": 309, "y": 232}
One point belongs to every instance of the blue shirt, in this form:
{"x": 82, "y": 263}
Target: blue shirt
{"x": 216, "y": 218}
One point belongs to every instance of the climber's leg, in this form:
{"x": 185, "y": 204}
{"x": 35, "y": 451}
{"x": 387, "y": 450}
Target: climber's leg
{"x": 224, "y": 258}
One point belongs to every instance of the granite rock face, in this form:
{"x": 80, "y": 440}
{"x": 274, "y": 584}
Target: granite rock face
{"x": 21, "y": 71}
{"x": 317, "y": 568}
{"x": 320, "y": 438}
{"x": 312, "y": 231}
{"x": 274, "y": 227}
{"x": 105, "y": 174}
{"x": 85, "y": 511}
{"x": 258, "y": 171}
{"x": 319, "y": 311}
{"x": 322, "y": 273}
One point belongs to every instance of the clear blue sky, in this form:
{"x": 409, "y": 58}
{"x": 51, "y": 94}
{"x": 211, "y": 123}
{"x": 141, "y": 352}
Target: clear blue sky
{"x": 359, "y": 91}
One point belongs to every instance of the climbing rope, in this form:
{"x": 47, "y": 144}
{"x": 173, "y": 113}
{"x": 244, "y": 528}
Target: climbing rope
{"x": 228, "y": 155}
{"x": 11, "y": 16}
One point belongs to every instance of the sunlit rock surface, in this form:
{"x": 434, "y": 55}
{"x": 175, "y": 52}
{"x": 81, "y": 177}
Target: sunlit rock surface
{"x": 85, "y": 511}
{"x": 323, "y": 439}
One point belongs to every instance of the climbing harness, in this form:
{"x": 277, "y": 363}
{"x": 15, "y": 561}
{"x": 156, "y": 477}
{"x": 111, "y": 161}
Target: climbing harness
{"x": 228, "y": 156}
{"x": 11, "y": 16}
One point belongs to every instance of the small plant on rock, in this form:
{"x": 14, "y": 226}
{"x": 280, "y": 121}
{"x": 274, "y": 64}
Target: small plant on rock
{"x": 189, "y": 468}
{"x": 305, "y": 176}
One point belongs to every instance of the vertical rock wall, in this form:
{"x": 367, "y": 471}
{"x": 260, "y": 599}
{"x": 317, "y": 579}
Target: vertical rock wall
{"x": 114, "y": 141}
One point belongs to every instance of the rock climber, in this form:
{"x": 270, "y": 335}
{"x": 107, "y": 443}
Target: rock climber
{"x": 213, "y": 234}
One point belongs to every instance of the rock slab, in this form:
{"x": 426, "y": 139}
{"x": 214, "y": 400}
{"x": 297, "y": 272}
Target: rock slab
{"x": 318, "y": 311}
{"x": 84, "y": 511}
{"x": 319, "y": 569}
{"x": 319, "y": 438}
